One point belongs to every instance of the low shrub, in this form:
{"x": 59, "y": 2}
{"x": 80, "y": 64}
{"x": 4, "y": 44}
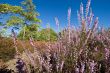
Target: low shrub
{"x": 7, "y": 50}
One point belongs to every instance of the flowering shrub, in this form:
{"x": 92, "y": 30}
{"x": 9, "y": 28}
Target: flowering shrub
{"x": 77, "y": 50}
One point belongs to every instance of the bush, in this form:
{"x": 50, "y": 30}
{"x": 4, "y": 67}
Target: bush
{"x": 3, "y": 68}
{"x": 47, "y": 34}
{"x": 81, "y": 50}
{"x": 7, "y": 50}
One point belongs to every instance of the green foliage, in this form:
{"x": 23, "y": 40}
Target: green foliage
{"x": 6, "y": 8}
{"x": 3, "y": 32}
{"x": 30, "y": 11}
{"x": 47, "y": 34}
{"x": 43, "y": 35}
{"x": 30, "y": 30}
{"x": 27, "y": 16}
{"x": 14, "y": 21}
{"x": 27, "y": 13}
{"x": 30, "y": 15}
{"x": 29, "y": 5}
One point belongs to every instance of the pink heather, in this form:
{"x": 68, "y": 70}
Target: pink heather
{"x": 81, "y": 11}
{"x": 69, "y": 16}
{"x": 87, "y": 7}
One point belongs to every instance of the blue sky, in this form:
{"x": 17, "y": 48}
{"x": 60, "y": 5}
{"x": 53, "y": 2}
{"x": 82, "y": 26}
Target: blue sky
{"x": 49, "y": 9}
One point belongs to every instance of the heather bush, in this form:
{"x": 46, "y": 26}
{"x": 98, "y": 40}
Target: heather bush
{"x": 7, "y": 50}
{"x": 77, "y": 50}
{"x": 83, "y": 49}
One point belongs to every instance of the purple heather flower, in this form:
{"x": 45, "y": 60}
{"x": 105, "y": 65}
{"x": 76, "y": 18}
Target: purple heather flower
{"x": 96, "y": 49}
{"x": 82, "y": 67}
{"x": 57, "y": 21}
{"x": 61, "y": 66}
{"x": 107, "y": 52}
{"x": 31, "y": 42}
{"x": 81, "y": 11}
{"x": 95, "y": 24}
{"x": 76, "y": 70}
{"x": 91, "y": 17}
{"x": 87, "y": 7}
{"x": 92, "y": 65}
{"x": 20, "y": 66}
{"x": 69, "y": 16}
{"x": 78, "y": 15}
